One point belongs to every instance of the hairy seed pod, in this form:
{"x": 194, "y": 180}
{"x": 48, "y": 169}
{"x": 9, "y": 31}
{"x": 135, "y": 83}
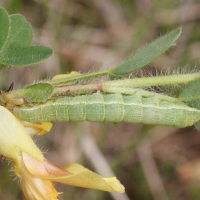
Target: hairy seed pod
{"x": 99, "y": 107}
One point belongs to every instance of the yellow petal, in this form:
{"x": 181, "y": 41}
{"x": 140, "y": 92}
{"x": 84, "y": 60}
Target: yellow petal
{"x": 71, "y": 174}
{"x": 37, "y": 128}
{"x": 13, "y": 135}
{"x": 83, "y": 177}
{"x": 60, "y": 76}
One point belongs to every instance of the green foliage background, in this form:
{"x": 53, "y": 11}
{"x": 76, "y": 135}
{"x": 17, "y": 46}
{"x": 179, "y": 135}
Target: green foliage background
{"x": 152, "y": 162}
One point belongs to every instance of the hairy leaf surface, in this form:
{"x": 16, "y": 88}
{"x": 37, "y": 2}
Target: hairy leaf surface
{"x": 148, "y": 53}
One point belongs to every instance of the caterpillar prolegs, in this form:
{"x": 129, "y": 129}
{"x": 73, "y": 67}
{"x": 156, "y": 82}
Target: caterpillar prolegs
{"x": 99, "y": 107}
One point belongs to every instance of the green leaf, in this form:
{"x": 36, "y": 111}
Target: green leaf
{"x": 191, "y": 96}
{"x": 38, "y": 92}
{"x": 4, "y": 27}
{"x": 197, "y": 125}
{"x": 26, "y": 56}
{"x": 2, "y": 67}
{"x": 148, "y": 53}
{"x": 191, "y": 92}
{"x": 20, "y": 34}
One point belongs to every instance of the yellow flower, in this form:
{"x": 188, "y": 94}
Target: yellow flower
{"x": 36, "y": 178}
{"x": 14, "y": 137}
{"x": 37, "y": 128}
{"x": 35, "y": 172}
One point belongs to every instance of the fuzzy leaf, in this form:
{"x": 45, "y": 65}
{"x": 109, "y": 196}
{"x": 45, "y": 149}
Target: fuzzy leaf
{"x": 4, "y": 27}
{"x": 191, "y": 92}
{"x": 20, "y": 33}
{"x": 191, "y": 95}
{"x": 148, "y": 53}
{"x": 2, "y": 67}
{"x": 26, "y": 56}
{"x": 38, "y": 92}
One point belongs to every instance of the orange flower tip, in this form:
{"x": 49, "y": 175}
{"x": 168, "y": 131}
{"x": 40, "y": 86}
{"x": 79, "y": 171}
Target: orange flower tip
{"x": 46, "y": 169}
{"x": 37, "y": 188}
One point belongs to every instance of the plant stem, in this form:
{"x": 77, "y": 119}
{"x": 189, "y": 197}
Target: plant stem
{"x": 123, "y": 86}
{"x": 154, "y": 80}
{"x": 67, "y": 90}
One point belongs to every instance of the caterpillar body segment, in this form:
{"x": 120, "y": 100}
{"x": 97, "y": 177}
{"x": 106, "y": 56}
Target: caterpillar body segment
{"x": 99, "y": 107}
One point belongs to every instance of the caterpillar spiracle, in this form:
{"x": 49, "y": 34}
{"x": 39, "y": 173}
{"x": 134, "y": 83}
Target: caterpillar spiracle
{"x": 99, "y": 107}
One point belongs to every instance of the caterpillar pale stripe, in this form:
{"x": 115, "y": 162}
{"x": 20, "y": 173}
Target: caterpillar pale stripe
{"x": 99, "y": 107}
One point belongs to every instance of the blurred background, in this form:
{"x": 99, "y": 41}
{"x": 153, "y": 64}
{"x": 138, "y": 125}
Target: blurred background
{"x": 152, "y": 162}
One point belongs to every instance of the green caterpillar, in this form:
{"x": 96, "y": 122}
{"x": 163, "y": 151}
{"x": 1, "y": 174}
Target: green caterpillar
{"x": 99, "y": 107}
